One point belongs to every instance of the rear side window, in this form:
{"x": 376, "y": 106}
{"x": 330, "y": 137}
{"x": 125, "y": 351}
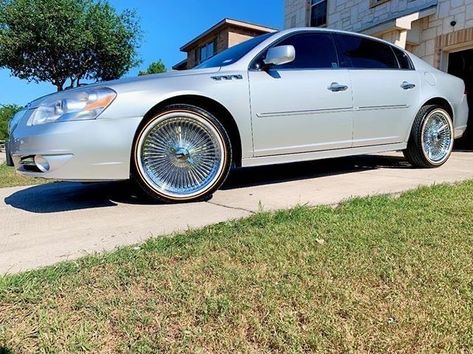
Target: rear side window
{"x": 364, "y": 53}
{"x": 403, "y": 59}
{"x": 313, "y": 51}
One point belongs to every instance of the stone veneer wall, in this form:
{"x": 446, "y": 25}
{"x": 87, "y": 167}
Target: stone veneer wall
{"x": 433, "y": 34}
{"x": 295, "y": 13}
{"x": 437, "y": 34}
{"x": 353, "y": 15}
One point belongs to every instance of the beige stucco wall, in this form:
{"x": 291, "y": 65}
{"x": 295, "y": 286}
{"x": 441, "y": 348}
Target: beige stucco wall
{"x": 236, "y": 38}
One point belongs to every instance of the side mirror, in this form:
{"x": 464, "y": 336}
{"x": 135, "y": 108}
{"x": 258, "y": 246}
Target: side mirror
{"x": 280, "y": 55}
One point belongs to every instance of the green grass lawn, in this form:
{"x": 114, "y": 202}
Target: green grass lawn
{"x": 9, "y": 178}
{"x": 378, "y": 275}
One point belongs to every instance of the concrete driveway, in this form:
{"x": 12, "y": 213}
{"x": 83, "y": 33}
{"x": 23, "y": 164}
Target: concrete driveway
{"x": 42, "y": 225}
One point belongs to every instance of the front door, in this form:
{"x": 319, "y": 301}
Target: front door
{"x": 305, "y": 105}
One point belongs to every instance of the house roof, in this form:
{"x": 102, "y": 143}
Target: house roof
{"x": 224, "y": 23}
{"x": 181, "y": 65}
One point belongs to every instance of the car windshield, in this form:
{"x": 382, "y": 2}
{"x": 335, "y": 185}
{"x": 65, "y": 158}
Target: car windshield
{"x": 233, "y": 54}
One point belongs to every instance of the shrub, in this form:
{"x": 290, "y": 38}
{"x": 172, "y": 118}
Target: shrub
{"x": 6, "y": 113}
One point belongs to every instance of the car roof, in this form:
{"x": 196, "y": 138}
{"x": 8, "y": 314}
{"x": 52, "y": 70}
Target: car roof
{"x": 331, "y": 30}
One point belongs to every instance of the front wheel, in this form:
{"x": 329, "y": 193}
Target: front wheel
{"x": 182, "y": 154}
{"x": 431, "y": 140}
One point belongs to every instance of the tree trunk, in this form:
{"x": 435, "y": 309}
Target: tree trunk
{"x": 59, "y": 84}
{"x": 73, "y": 83}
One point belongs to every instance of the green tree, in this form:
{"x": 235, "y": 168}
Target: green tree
{"x": 154, "y": 68}
{"x": 61, "y": 41}
{"x": 6, "y": 113}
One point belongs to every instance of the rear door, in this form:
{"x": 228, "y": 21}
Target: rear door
{"x": 385, "y": 89}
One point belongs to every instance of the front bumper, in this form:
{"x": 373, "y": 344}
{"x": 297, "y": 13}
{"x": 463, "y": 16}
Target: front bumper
{"x": 92, "y": 150}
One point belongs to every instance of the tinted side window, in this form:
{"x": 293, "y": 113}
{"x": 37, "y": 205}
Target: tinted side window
{"x": 403, "y": 59}
{"x": 313, "y": 51}
{"x": 363, "y": 53}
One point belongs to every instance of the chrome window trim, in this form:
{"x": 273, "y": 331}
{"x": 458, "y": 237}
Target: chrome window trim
{"x": 251, "y": 66}
{"x": 411, "y": 64}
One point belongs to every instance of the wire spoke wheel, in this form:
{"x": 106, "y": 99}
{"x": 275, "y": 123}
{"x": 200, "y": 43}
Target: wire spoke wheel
{"x": 180, "y": 155}
{"x": 437, "y": 136}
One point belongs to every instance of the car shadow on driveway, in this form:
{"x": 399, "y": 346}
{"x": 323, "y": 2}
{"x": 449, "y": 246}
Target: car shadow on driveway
{"x": 68, "y": 196}
{"x": 248, "y": 177}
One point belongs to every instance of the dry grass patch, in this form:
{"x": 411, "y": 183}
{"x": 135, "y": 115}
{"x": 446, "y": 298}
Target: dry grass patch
{"x": 9, "y": 178}
{"x": 372, "y": 275}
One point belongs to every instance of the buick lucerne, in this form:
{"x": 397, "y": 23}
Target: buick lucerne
{"x": 296, "y": 95}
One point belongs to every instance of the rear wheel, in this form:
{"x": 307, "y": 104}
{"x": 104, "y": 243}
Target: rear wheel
{"x": 431, "y": 140}
{"x": 182, "y": 154}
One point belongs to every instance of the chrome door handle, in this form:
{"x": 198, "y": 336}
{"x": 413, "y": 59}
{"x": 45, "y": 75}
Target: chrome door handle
{"x": 407, "y": 85}
{"x": 336, "y": 87}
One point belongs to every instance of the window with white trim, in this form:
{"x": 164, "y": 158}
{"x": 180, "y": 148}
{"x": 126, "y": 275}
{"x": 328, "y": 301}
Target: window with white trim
{"x": 318, "y": 13}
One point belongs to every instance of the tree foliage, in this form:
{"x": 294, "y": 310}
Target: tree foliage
{"x": 6, "y": 113}
{"x": 156, "y": 67}
{"x": 61, "y": 41}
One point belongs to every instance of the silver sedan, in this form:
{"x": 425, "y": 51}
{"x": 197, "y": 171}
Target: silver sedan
{"x": 295, "y": 95}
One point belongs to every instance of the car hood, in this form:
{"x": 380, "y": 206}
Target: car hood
{"x": 130, "y": 80}
{"x": 170, "y": 74}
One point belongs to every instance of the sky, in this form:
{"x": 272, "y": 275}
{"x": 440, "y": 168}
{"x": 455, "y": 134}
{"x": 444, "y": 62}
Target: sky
{"x": 166, "y": 25}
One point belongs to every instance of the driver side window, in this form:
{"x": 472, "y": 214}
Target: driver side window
{"x": 313, "y": 51}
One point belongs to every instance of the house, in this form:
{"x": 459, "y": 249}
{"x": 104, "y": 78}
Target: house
{"x": 219, "y": 37}
{"x": 438, "y": 31}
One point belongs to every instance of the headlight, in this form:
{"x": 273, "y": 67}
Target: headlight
{"x": 74, "y": 105}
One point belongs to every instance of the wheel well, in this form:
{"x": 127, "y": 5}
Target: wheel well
{"x": 218, "y": 110}
{"x": 441, "y": 102}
